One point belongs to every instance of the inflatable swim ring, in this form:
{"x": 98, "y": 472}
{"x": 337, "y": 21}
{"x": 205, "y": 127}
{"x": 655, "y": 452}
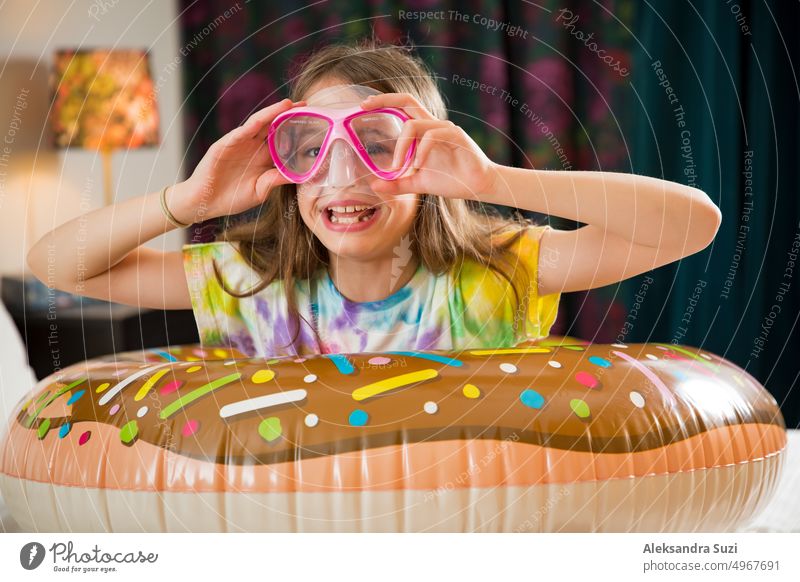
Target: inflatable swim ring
{"x": 549, "y": 436}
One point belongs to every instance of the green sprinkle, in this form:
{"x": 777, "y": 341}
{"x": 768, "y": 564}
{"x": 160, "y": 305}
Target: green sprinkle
{"x": 179, "y": 403}
{"x": 579, "y": 407}
{"x": 33, "y": 416}
{"x": 270, "y": 428}
{"x": 43, "y": 428}
{"x": 129, "y": 432}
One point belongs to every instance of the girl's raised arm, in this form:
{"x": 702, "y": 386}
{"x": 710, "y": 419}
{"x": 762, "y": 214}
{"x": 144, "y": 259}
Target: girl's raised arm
{"x": 100, "y": 254}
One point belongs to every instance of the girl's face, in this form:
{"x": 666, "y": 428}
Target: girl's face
{"x": 352, "y": 220}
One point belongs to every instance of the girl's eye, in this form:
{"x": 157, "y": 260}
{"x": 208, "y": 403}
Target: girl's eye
{"x": 312, "y": 152}
{"x": 375, "y": 148}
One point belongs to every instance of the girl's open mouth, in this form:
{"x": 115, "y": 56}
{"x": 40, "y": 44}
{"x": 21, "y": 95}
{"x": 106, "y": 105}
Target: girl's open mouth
{"x": 350, "y": 218}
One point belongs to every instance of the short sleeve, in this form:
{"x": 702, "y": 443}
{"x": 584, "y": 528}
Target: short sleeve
{"x": 491, "y": 314}
{"x": 218, "y": 314}
{"x": 543, "y": 308}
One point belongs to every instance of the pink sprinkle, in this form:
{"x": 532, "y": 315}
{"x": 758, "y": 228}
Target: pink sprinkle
{"x": 200, "y": 353}
{"x": 119, "y": 373}
{"x": 380, "y": 360}
{"x": 587, "y": 379}
{"x": 84, "y": 438}
{"x": 299, "y": 360}
{"x": 170, "y": 387}
{"x": 191, "y": 427}
{"x": 114, "y": 409}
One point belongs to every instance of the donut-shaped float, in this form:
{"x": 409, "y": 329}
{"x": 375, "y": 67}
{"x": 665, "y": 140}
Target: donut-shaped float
{"x": 548, "y": 436}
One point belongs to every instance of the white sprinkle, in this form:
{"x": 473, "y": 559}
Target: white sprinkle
{"x": 637, "y": 399}
{"x": 619, "y": 345}
{"x": 260, "y": 402}
{"x": 651, "y": 357}
{"x": 431, "y": 407}
{"x": 311, "y": 420}
{"x": 229, "y": 363}
{"x": 142, "y": 411}
{"x": 508, "y": 368}
{"x": 554, "y": 364}
{"x": 113, "y": 391}
{"x": 706, "y": 356}
{"x": 310, "y": 378}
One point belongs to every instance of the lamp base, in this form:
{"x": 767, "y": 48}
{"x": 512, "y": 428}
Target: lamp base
{"x": 108, "y": 192}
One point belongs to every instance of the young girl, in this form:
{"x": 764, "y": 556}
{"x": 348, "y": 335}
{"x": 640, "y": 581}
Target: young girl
{"x": 367, "y": 264}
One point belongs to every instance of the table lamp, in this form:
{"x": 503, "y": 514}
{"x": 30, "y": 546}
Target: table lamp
{"x": 103, "y": 100}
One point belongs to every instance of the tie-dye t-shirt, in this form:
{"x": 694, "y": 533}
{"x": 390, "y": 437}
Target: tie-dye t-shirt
{"x": 466, "y": 308}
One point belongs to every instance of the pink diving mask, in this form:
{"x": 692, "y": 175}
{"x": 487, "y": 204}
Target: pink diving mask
{"x": 330, "y": 146}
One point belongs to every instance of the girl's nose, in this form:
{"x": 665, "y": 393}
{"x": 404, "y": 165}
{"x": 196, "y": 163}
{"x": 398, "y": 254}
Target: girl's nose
{"x": 344, "y": 165}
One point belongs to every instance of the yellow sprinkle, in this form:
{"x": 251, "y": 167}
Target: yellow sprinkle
{"x": 194, "y": 369}
{"x": 102, "y": 387}
{"x": 392, "y": 383}
{"x": 510, "y": 351}
{"x": 471, "y": 391}
{"x": 262, "y": 376}
{"x": 150, "y": 383}
{"x": 220, "y": 353}
{"x": 191, "y": 359}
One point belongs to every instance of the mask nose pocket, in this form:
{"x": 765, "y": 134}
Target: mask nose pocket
{"x": 341, "y": 167}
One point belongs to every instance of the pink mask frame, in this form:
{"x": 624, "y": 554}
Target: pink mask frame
{"x": 339, "y": 127}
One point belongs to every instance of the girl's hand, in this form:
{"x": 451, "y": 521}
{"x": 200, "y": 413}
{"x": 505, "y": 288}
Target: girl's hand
{"x": 447, "y": 161}
{"x": 235, "y": 174}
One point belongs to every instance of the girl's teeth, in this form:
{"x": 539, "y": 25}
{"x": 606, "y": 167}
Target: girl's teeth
{"x": 349, "y": 219}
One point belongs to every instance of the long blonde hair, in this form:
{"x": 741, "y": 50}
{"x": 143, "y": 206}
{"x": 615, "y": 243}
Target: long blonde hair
{"x": 445, "y": 232}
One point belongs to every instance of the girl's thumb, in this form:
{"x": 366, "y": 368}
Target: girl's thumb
{"x": 270, "y": 179}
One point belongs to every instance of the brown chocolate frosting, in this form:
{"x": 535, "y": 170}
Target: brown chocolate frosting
{"x": 573, "y": 397}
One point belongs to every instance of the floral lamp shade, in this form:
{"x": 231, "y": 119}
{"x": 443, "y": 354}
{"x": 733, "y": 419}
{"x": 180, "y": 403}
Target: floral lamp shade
{"x": 104, "y": 100}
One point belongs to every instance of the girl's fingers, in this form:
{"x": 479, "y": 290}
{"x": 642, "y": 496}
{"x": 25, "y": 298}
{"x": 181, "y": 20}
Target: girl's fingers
{"x": 267, "y": 181}
{"x": 259, "y": 121}
{"x": 414, "y": 129}
{"x": 430, "y": 140}
{"x": 404, "y": 101}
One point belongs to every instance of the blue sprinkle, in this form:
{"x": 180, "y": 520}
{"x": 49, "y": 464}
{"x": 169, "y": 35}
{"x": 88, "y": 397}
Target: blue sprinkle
{"x": 166, "y": 355}
{"x": 64, "y": 430}
{"x": 432, "y": 357}
{"x": 342, "y": 363}
{"x": 358, "y": 418}
{"x": 75, "y": 397}
{"x": 598, "y": 361}
{"x": 531, "y": 398}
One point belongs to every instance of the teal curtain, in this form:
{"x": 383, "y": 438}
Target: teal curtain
{"x": 730, "y": 127}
